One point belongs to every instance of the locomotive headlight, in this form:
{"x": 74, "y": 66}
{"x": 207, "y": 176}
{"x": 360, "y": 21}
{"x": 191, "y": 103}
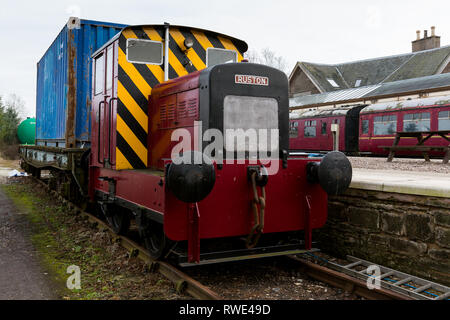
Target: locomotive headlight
{"x": 188, "y": 43}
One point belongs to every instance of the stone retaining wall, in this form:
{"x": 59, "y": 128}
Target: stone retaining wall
{"x": 409, "y": 233}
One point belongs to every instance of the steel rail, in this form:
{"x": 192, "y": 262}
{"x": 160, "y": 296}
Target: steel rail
{"x": 182, "y": 282}
{"x": 346, "y": 282}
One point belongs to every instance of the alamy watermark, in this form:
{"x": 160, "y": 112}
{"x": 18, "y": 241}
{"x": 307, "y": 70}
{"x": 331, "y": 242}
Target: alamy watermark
{"x": 374, "y": 279}
{"x": 74, "y": 281}
{"x": 239, "y": 145}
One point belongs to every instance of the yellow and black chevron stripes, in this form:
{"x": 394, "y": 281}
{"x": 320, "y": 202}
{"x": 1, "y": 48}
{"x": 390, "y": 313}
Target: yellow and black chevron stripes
{"x": 191, "y": 54}
{"x": 135, "y": 83}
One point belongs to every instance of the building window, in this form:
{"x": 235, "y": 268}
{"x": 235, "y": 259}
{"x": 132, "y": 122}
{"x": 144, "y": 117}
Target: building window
{"x": 323, "y": 129}
{"x": 293, "y": 129}
{"x": 413, "y": 122}
{"x": 384, "y": 125}
{"x": 310, "y": 129}
{"x": 444, "y": 120}
{"x": 109, "y": 68}
{"x": 144, "y": 51}
{"x": 99, "y": 74}
{"x": 357, "y": 83}
{"x": 216, "y": 56}
{"x": 333, "y": 83}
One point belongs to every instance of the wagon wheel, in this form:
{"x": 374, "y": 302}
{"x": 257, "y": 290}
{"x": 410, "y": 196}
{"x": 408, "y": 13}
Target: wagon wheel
{"x": 117, "y": 218}
{"x": 154, "y": 238}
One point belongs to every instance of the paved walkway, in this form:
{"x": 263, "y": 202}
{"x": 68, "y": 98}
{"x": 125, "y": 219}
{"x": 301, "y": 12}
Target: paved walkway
{"x": 407, "y": 182}
{"x": 21, "y": 276}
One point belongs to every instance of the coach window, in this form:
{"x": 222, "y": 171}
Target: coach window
{"x": 293, "y": 129}
{"x": 310, "y": 129}
{"x": 365, "y": 127}
{"x": 216, "y": 56}
{"x": 444, "y": 120}
{"x": 144, "y": 51}
{"x": 99, "y": 74}
{"x": 413, "y": 122}
{"x": 384, "y": 125}
{"x": 109, "y": 68}
{"x": 324, "y": 128}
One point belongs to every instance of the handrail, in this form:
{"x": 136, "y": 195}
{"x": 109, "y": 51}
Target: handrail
{"x": 99, "y": 116}
{"x": 109, "y": 130}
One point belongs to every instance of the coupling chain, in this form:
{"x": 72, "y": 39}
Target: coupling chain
{"x": 258, "y": 214}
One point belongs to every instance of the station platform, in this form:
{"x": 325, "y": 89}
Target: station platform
{"x": 406, "y": 182}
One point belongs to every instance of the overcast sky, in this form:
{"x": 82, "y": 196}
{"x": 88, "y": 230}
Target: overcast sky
{"x": 322, "y": 31}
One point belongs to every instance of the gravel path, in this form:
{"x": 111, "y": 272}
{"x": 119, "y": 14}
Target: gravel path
{"x": 402, "y": 164}
{"x": 21, "y": 277}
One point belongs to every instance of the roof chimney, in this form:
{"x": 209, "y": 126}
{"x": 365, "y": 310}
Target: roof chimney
{"x": 426, "y": 42}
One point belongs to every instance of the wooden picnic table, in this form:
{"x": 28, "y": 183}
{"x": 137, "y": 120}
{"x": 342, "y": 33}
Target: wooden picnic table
{"x": 422, "y": 137}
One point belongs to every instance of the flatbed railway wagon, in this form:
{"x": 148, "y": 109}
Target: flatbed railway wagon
{"x": 156, "y": 87}
{"x": 63, "y": 104}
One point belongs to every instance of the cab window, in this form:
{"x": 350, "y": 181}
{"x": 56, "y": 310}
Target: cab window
{"x": 216, "y": 56}
{"x": 144, "y": 51}
{"x": 99, "y": 74}
{"x": 109, "y": 68}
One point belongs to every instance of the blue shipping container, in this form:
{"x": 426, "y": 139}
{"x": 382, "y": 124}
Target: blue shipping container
{"x": 63, "y": 97}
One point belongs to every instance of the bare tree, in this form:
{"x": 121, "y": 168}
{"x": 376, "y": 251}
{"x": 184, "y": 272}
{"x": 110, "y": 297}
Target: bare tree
{"x": 9, "y": 120}
{"x": 16, "y": 103}
{"x": 267, "y": 57}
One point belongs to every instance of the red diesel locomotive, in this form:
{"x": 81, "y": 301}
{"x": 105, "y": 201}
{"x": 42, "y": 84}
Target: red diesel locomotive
{"x": 145, "y": 90}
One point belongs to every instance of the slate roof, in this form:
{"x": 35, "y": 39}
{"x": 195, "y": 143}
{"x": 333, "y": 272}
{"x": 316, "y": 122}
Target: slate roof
{"x": 376, "y": 71}
{"x": 366, "y": 92}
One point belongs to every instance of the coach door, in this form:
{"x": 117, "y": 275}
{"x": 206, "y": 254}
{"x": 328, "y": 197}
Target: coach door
{"x": 325, "y": 141}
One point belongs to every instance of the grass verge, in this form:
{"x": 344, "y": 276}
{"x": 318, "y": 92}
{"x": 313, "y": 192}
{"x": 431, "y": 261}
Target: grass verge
{"x": 63, "y": 239}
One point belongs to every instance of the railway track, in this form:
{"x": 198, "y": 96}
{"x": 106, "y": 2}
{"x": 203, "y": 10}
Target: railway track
{"x": 333, "y": 274}
{"x": 353, "y": 277}
{"x": 346, "y": 282}
{"x": 182, "y": 282}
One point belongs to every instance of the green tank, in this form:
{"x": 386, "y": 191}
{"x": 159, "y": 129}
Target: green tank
{"x": 26, "y": 131}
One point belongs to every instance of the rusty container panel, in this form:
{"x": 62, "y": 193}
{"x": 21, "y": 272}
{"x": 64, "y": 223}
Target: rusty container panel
{"x": 63, "y": 97}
